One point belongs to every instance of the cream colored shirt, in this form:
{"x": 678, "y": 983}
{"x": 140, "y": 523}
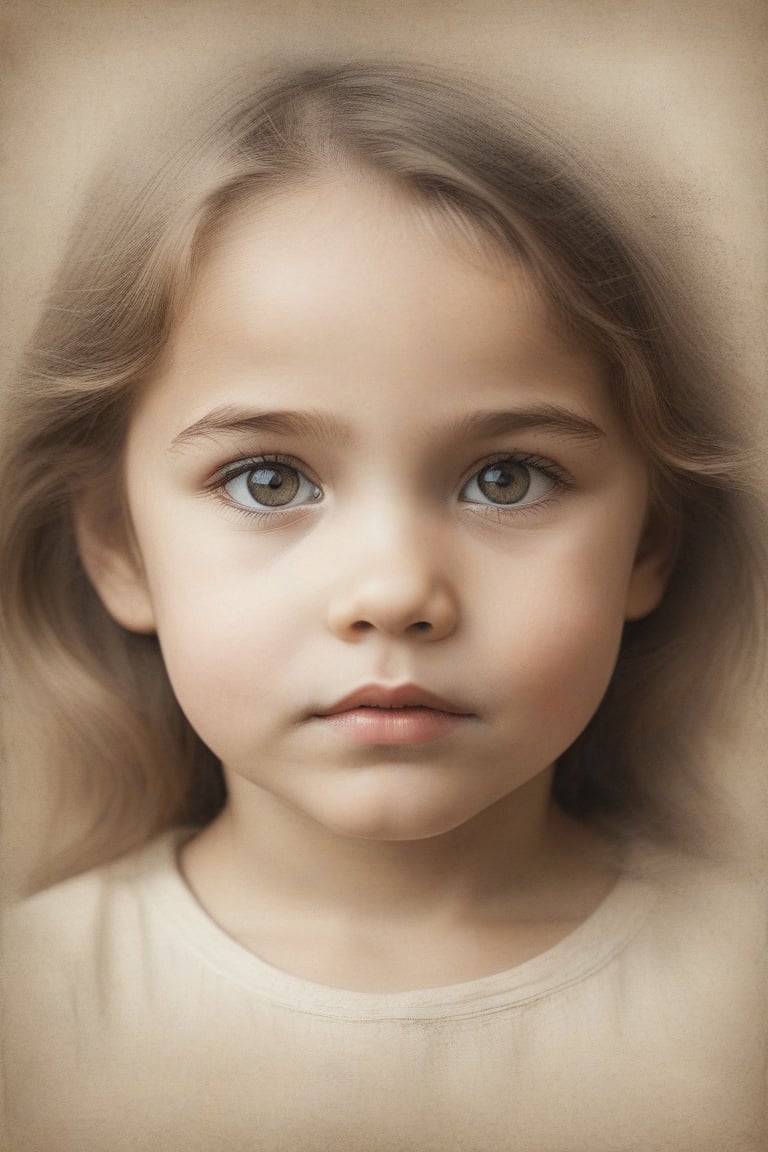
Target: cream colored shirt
{"x": 133, "y": 1022}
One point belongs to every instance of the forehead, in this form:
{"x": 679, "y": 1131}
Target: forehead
{"x": 353, "y": 285}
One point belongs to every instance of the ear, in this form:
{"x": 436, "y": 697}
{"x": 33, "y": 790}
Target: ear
{"x": 654, "y": 562}
{"x": 113, "y": 564}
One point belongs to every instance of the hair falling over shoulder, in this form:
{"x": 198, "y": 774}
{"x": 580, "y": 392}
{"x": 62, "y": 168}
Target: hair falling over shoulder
{"x": 89, "y": 712}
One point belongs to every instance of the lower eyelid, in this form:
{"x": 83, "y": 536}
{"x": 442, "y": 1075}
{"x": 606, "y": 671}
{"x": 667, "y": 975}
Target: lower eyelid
{"x": 510, "y": 515}
{"x": 268, "y": 519}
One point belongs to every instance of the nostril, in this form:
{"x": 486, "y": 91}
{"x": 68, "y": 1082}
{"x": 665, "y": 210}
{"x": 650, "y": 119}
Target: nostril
{"x": 417, "y": 626}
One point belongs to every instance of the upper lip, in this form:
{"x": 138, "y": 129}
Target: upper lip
{"x": 399, "y": 696}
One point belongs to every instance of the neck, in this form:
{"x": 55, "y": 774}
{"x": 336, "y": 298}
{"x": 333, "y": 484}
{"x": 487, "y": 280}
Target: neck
{"x": 520, "y": 858}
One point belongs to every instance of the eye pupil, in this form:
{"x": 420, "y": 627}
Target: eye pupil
{"x": 273, "y": 486}
{"x": 505, "y": 483}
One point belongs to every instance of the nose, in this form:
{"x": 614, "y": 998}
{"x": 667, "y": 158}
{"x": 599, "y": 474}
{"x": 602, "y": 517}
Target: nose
{"x": 398, "y": 590}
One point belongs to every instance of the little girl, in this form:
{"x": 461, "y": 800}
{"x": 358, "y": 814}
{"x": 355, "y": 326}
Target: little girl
{"x": 380, "y": 563}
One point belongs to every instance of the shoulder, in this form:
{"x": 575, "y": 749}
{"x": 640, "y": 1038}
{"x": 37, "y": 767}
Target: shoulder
{"x": 710, "y": 918}
{"x": 69, "y": 924}
{"x": 61, "y": 911}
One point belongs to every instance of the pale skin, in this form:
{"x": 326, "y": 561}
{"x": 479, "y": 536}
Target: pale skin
{"x": 381, "y": 868}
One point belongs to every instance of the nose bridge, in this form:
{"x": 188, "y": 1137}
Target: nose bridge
{"x": 392, "y": 574}
{"x": 395, "y": 532}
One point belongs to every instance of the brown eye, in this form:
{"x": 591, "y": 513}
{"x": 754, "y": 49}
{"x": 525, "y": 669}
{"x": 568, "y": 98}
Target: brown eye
{"x": 507, "y": 483}
{"x": 274, "y": 485}
{"x": 271, "y": 484}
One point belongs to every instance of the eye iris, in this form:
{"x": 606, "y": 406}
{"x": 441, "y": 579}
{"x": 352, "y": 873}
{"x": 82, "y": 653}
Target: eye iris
{"x": 505, "y": 483}
{"x": 274, "y": 486}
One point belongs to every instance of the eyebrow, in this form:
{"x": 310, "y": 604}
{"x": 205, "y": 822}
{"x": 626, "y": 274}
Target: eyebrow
{"x": 318, "y": 425}
{"x": 229, "y": 421}
{"x": 541, "y": 417}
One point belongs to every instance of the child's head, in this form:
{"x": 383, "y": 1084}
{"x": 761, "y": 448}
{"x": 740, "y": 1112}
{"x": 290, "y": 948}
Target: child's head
{"x": 360, "y": 244}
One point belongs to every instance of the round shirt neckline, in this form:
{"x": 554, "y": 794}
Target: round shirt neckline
{"x": 584, "y": 950}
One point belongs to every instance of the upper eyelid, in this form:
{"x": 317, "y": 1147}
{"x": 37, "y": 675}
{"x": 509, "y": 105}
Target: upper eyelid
{"x": 531, "y": 459}
{"x": 245, "y": 463}
{"x": 551, "y": 468}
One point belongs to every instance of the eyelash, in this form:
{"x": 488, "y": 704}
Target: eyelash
{"x": 561, "y": 481}
{"x": 217, "y": 486}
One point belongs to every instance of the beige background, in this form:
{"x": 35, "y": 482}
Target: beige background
{"x": 668, "y": 96}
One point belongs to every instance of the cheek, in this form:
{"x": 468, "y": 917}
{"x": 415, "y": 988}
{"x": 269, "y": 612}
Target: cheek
{"x": 557, "y": 639}
{"x": 576, "y": 661}
{"x": 564, "y": 654}
{"x": 226, "y": 634}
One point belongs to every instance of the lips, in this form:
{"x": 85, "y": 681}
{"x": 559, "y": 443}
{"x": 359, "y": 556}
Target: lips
{"x": 377, "y": 715}
{"x": 399, "y": 697}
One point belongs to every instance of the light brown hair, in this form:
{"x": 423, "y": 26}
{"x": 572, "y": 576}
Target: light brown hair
{"x": 95, "y": 702}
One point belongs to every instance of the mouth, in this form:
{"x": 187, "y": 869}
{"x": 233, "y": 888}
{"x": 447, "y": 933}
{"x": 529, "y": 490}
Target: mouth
{"x": 405, "y": 714}
{"x": 401, "y": 696}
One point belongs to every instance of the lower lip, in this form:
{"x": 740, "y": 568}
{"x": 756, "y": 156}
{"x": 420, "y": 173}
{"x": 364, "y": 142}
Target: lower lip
{"x": 393, "y": 725}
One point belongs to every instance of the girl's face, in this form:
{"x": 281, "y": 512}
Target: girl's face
{"x": 369, "y": 458}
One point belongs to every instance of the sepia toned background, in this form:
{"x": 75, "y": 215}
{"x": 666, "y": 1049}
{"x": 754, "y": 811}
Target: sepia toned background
{"x": 668, "y": 97}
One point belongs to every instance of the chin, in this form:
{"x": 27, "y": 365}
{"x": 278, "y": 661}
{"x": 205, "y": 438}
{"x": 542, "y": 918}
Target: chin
{"x": 402, "y": 815}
